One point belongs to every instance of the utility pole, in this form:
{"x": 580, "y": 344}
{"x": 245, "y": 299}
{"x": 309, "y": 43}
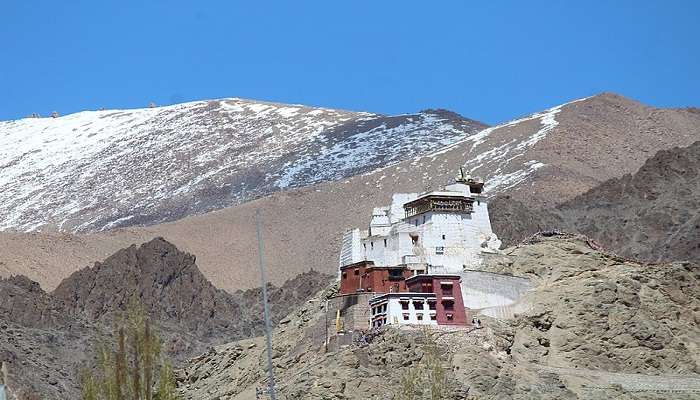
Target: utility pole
{"x": 325, "y": 328}
{"x": 268, "y": 329}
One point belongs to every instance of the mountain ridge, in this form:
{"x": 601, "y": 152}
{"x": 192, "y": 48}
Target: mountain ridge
{"x": 550, "y": 170}
{"x": 47, "y": 337}
{"x": 98, "y": 170}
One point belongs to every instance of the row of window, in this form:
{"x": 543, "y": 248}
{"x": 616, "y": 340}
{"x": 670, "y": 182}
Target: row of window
{"x": 448, "y": 305}
{"x": 418, "y": 305}
{"x": 371, "y": 245}
{"x": 393, "y": 273}
{"x": 379, "y": 322}
{"x": 379, "y": 309}
{"x": 419, "y": 317}
{"x": 414, "y": 238}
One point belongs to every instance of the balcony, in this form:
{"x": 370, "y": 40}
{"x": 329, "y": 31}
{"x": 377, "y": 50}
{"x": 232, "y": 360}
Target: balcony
{"x": 441, "y": 204}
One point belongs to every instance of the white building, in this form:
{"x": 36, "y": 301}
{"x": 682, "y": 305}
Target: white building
{"x": 442, "y": 231}
{"x": 403, "y": 308}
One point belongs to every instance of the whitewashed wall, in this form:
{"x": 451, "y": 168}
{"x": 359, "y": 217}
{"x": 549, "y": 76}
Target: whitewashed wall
{"x": 464, "y": 235}
{"x": 496, "y": 295}
{"x": 394, "y": 314}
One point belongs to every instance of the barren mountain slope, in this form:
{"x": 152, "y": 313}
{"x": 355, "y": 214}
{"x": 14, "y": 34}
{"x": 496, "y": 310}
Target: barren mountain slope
{"x": 649, "y": 215}
{"x": 45, "y": 337}
{"x": 653, "y": 214}
{"x": 302, "y": 227}
{"x": 599, "y": 328}
{"x": 97, "y": 170}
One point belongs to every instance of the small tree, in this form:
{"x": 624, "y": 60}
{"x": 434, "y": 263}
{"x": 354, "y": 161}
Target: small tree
{"x": 129, "y": 369}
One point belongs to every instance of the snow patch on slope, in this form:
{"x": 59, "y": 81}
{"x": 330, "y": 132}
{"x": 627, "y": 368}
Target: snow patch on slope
{"x": 98, "y": 170}
{"x": 498, "y": 161}
{"x": 381, "y": 146}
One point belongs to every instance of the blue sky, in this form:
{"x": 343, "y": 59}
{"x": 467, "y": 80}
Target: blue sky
{"x": 488, "y": 60}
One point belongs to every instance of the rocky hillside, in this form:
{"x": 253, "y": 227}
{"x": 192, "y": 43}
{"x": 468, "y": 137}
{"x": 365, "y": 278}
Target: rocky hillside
{"x": 168, "y": 284}
{"x": 44, "y": 336}
{"x": 97, "y": 170}
{"x": 599, "y": 328}
{"x": 541, "y": 160}
{"x": 41, "y": 341}
{"x": 652, "y": 214}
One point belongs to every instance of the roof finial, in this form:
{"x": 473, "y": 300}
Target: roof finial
{"x": 463, "y": 177}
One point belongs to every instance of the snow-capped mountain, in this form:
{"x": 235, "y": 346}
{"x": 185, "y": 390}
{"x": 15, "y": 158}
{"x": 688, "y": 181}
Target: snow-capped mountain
{"x": 97, "y": 170}
{"x": 538, "y": 162}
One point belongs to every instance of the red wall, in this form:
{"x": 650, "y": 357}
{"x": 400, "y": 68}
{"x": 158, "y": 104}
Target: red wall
{"x": 431, "y": 283}
{"x": 365, "y": 276}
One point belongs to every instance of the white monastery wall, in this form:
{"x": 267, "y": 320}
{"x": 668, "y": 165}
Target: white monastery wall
{"x": 351, "y": 248}
{"x": 447, "y": 241}
{"x": 492, "y": 294}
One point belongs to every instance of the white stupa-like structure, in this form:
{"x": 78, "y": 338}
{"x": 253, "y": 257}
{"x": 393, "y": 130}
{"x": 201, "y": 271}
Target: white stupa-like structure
{"x": 438, "y": 232}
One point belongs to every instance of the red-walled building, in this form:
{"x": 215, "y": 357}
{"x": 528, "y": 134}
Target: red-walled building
{"x": 448, "y": 292}
{"x": 364, "y": 276}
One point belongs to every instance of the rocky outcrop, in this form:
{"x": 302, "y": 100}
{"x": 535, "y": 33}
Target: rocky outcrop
{"x": 514, "y": 220}
{"x": 24, "y": 302}
{"x": 651, "y": 215}
{"x": 601, "y": 327}
{"x": 164, "y": 280}
{"x": 47, "y": 337}
{"x": 41, "y": 342}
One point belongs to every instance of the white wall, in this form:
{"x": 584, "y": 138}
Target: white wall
{"x": 395, "y": 314}
{"x": 492, "y": 294}
{"x": 351, "y": 248}
{"x": 465, "y": 234}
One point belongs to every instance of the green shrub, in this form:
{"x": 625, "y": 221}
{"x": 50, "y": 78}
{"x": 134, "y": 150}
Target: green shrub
{"x": 133, "y": 367}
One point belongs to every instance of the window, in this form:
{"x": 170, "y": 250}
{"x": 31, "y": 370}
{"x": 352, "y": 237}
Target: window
{"x": 446, "y": 290}
{"x": 449, "y": 305}
{"x": 406, "y": 316}
{"x": 439, "y": 250}
{"x": 443, "y": 237}
{"x": 357, "y": 271}
{"x": 384, "y": 242}
{"x": 371, "y": 245}
{"x": 384, "y": 308}
{"x": 426, "y": 287}
{"x": 433, "y": 317}
{"x": 396, "y": 273}
{"x": 404, "y": 305}
{"x": 450, "y": 317}
{"x": 431, "y": 305}
{"x": 364, "y": 246}
{"x": 414, "y": 240}
{"x": 416, "y": 221}
{"x": 424, "y": 219}
{"x": 419, "y": 317}
{"x": 345, "y": 275}
{"x": 418, "y": 305}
